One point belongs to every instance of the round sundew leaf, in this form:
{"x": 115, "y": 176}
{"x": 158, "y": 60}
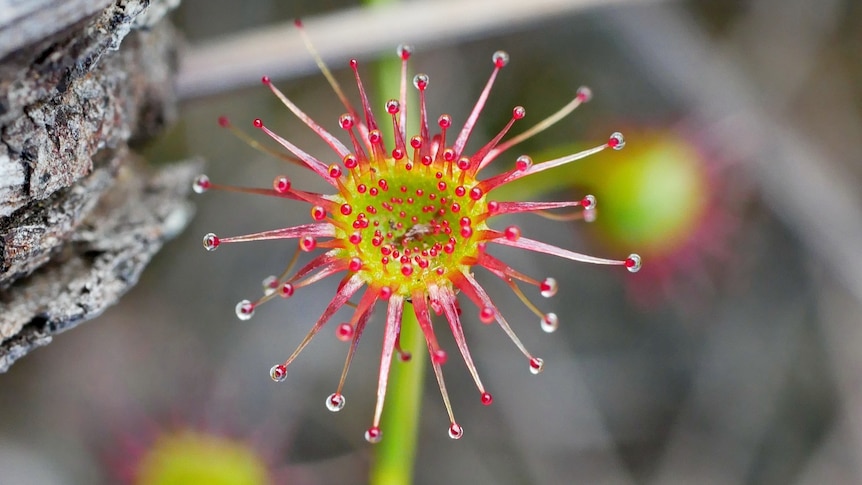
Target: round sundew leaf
{"x": 194, "y": 457}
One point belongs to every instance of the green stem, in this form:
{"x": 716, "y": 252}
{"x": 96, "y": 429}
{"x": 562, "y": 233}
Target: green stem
{"x": 395, "y": 454}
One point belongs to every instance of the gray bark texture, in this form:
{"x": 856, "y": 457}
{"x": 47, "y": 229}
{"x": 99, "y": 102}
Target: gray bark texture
{"x": 80, "y": 213}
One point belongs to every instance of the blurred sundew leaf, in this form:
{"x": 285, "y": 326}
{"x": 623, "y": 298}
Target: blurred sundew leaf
{"x": 649, "y": 194}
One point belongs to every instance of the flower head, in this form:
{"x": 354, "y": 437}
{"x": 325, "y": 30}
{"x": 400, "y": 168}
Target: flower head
{"x": 410, "y": 223}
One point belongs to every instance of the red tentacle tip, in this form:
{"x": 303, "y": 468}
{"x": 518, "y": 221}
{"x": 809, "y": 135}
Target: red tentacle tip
{"x": 278, "y": 373}
{"x": 266, "y": 80}
{"x": 500, "y": 58}
{"x": 344, "y": 332}
{"x": 258, "y": 123}
{"x": 354, "y": 64}
{"x": 512, "y": 233}
{"x": 223, "y": 121}
{"x": 373, "y": 435}
{"x": 281, "y": 184}
{"x": 616, "y": 141}
{"x": 487, "y": 398}
{"x": 420, "y": 81}
{"x": 439, "y": 356}
{"x": 584, "y": 94}
{"x": 404, "y": 51}
{"x": 633, "y": 263}
{"x": 297, "y": 22}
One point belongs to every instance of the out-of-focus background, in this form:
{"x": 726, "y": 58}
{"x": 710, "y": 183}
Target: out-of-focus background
{"x": 732, "y": 358}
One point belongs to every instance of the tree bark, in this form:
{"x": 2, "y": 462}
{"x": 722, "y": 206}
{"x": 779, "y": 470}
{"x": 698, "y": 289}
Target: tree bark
{"x": 80, "y": 213}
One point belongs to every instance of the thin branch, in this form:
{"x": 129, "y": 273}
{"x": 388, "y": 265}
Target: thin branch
{"x": 236, "y": 61}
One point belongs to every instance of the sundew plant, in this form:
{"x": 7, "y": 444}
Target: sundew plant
{"x": 407, "y": 226}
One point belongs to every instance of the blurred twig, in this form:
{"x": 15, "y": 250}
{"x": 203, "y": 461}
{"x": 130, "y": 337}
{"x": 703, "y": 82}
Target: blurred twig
{"x": 226, "y": 64}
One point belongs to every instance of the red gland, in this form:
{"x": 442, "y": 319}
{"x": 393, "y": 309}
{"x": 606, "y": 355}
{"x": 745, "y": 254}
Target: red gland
{"x": 278, "y": 373}
{"x": 373, "y": 435}
{"x": 344, "y": 332}
{"x": 456, "y": 432}
{"x": 318, "y": 213}
{"x": 281, "y": 184}
{"x": 404, "y": 51}
{"x": 486, "y": 315}
{"x": 487, "y": 398}
{"x": 307, "y": 243}
{"x": 512, "y": 233}
{"x": 258, "y": 123}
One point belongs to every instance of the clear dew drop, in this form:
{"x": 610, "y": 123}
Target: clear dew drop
{"x": 393, "y": 106}
{"x": 550, "y": 322}
{"x": 210, "y": 242}
{"x": 456, "y": 432}
{"x": 588, "y": 202}
{"x": 270, "y": 284}
{"x": 617, "y": 141}
{"x": 420, "y": 81}
{"x": 585, "y": 94}
{"x": 245, "y": 310}
{"x": 548, "y": 287}
{"x": 278, "y": 372}
{"x": 373, "y": 435}
{"x": 500, "y": 58}
{"x": 201, "y": 184}
{"x": 590, "y": 215}
{"x": 633, "y": 263}
{"x": 404, "y": 50}
{"x": 537, "y": 365}
{"x": 335, "y": 402}
{"x": 523, "y": 163}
